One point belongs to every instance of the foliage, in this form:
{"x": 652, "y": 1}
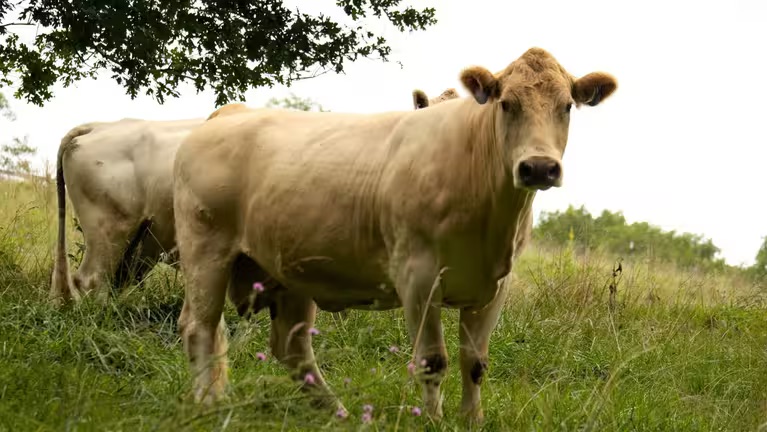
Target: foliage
{"x": 5, "y": 109}
{"x": 611, "y": 233}
{"x": 154, "y": 46}
{"x": 296, "y": 102}
{"x": 759, "y": 269}
{"x": 14, "y": 156}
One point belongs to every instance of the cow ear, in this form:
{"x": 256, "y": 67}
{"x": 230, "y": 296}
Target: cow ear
{"x": 593, "y": 88}
{"x": 420, "y": 100}
{"x": 481, "y": 83}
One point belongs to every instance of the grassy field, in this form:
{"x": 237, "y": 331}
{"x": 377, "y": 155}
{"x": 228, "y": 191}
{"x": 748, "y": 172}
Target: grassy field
{"x": 681, "y": 351}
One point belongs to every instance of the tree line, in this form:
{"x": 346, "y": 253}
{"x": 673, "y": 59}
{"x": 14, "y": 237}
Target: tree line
{"x": 610, "y": 233}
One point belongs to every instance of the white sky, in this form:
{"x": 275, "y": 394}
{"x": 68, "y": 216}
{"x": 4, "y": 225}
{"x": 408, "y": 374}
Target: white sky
{"x": 679, "y": 144}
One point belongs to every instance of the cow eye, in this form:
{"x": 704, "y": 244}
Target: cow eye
{"x": 506, "y": 105}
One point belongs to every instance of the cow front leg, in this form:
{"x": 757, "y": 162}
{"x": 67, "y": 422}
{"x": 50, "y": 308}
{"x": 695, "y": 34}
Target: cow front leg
{"x": 421, "y": 299}
{"x": 291, "y": 344}
{"x": 475, "y": 329}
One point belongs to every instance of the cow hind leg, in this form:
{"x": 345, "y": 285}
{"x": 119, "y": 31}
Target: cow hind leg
{"x": 138, "y": 258}
{"x": 291, "y": 344}
{"x": 106, "y": 239}
{"x": 201, "y": 323}
{"x": 421, "y": 297}
{"x": 474, "y": 335}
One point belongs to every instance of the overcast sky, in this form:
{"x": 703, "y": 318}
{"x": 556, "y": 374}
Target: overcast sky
{"x": 680, "y": 144}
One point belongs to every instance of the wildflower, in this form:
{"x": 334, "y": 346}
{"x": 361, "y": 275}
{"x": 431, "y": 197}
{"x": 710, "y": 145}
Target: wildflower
{"x": 423, "y": 362}
{"x": 347, "y": 381}
{"x": 258, "y": 287}
{"x": 367, "y": 408}
{"x": 416, "y": 411}
{"x": 367, "y": 418}
{"x": 393, "y": 349}
{"x": 309, "y": 378}
{"x": 341, "y": 413}
{"x": 313, "y": 331}
{"x": 411, "y": 368}
{"x": 261, "y": 356}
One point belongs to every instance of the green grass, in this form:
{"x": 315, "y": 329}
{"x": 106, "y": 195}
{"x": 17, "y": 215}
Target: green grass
{"x": 682, "y": 351}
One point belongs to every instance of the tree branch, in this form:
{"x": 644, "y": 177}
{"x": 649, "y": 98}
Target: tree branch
{"x": 17, "y": 24}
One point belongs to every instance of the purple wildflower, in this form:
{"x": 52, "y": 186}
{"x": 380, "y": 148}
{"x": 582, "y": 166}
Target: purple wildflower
{"x": 367, "y": 418}
{"x": 261, "y": 356}
{"x": 367, "y": 408}
{"x": 393, "y": 349}
{"x": 309, "y": 378}
{"x": 258, "y": 287}
{"x": 341, "y": 413}
{"x": 313, "y": 331}
{"x": 416, "y": 411}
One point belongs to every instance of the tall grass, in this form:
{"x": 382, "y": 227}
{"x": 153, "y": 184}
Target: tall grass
{"x": 678, "y": 351}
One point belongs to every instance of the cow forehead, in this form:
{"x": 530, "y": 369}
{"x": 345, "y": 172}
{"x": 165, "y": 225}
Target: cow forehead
{"x": 536, "y": 75}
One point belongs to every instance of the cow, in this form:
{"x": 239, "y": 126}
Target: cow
{"x": 420, "y": 100}
{"x": 118, "y": 175}
{"x": 416, "y": 209}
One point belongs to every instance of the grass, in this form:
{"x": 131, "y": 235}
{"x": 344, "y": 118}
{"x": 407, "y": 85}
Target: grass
{"x": 681, "y": 351}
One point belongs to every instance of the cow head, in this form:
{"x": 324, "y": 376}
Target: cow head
{"x": 420, "y": 100}
{"x": 530, "y": 101}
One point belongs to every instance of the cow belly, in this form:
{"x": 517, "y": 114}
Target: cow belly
{"x": 334, "y": 289}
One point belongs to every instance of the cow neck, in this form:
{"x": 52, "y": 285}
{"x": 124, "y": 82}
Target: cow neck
{"x": 507, "y": 205}
{"x": 486, "y": 169}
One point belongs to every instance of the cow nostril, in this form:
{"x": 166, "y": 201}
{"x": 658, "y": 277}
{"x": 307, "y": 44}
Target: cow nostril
{"x": 525, "y": 170}
{"x": 554, "y": 171}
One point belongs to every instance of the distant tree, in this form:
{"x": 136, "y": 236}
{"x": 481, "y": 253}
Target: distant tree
{"x": 153, "y": 46}
{"x": 14, "y": 156}
{"x": 295, "y": 102}
{"x": 5, "y": 109}
{"x": 759, "y": 269}
{"x": 612, "y": 234}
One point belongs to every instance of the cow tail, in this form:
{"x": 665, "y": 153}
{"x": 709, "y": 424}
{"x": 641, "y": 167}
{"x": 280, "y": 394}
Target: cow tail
{"x": 62, "y": 288}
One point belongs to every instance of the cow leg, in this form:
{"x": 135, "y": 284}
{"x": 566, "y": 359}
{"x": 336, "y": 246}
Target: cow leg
{"x": 475, "y": 330}
{"x": 417, "y": 283}
{"x": 206, "y": 265}
{"x": 138, "y": 258}
{"x": 106, "y": 239}
{"x": 291, "y": 344}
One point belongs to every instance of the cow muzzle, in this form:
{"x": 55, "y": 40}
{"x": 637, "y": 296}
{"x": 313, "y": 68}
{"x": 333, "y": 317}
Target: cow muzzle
{"x": 539, "y": 173}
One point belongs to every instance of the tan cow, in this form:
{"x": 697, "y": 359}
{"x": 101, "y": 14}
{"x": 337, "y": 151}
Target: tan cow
{"x": 420, "y": 100}
{"x": 418, "y": 209}
{"x": 119, "y": 178}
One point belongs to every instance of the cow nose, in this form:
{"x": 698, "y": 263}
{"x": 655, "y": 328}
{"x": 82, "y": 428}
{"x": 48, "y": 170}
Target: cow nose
{"x": 540, "y": 172}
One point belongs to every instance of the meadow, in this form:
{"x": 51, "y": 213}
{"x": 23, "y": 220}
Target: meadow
{"x": 671, "y": 350}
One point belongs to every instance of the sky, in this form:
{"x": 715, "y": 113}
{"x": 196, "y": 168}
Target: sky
{"x": 680, "y": 144}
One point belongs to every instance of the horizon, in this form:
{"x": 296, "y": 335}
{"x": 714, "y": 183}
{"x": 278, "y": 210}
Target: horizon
{"x": 677, "y": 145}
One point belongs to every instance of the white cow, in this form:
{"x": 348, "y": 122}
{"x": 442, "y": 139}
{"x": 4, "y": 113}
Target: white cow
{"x": 119, "y": 178}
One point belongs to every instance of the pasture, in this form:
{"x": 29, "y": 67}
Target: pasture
{"x": 680, "y": 351}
